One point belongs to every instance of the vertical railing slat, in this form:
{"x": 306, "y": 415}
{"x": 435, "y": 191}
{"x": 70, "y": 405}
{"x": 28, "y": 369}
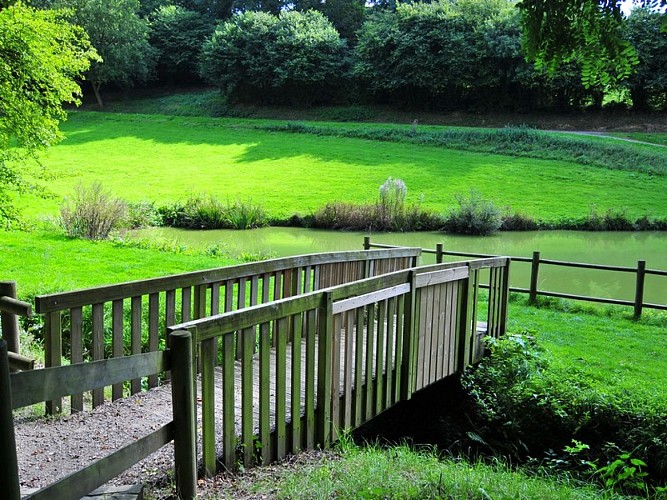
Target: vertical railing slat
{"x": 228, "y": 402}
{"x": 297, "y": 324}
{"x": 153, "y": 331}
{"x": 76, "y": 345}
{"x": 311, "y": 339}
{"x": 370, "y": 352}
{"x": 98, "y": 348}
{"x": 118, "y": 341}
{"x": 135, "y": 336}
{"x": 379, "y": 357}
{"x": 53, "y": 348}
{"x": 264, "y": 389}
{"x": 325, "y": 333}
{"x": 208, "y": 360}
{"x": 359, "y": 366}
{"x": 281, "y": 387}
{"x": 247, "y": 342}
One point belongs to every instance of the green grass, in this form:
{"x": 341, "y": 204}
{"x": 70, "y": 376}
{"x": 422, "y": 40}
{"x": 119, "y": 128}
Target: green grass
{"x": 399, "y": 472}
{"x": 46, "y": 262}
{"x": 614, "y": 353}
{"x": 654, "y": 138}
{"x": 166, "y": 158}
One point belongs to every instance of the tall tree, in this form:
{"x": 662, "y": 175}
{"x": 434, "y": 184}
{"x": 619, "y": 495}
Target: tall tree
{"x": 41, "y": 56}
{"x": 178, "y": 35}
{"x": 120, "y": 37}
{"x": 648, "y": 84}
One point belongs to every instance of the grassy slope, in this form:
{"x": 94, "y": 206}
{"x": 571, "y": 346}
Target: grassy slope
{"x": 163, "y": 158}
{"x": 45, "y": 262}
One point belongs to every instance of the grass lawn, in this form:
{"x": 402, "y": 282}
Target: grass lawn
{"x": 165, "y": 158}
{"x": 45, "y": 262}
{"x": 606, "y": 347}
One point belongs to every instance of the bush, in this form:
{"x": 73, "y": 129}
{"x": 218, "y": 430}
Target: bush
{"x": 92, "y": 213}
{"x": 142, "y": 214}
{"x": 518, "y": 222}
{"x": 474, "y": 216}
{"x": 526, "y": 409}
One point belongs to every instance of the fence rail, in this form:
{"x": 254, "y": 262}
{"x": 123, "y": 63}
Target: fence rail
{"x": 128, "y": 318}
{"x": 640, "y": 271}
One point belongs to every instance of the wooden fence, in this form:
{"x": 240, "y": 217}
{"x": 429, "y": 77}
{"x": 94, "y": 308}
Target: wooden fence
{"x": 29, "y": 387}
{"x": 117, "y": 320}
{"x": 640, "y": 272}
{"x": 342, "y": 355}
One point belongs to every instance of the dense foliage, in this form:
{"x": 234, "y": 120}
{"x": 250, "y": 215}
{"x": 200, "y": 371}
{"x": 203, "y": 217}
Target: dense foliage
{"x": 295, "y": 57}
{"x": 120, "y": 37}
{"x": 40, "y": 57}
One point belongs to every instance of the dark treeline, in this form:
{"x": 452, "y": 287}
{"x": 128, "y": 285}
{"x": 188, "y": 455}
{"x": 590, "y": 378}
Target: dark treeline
{"x": 446, "y": 55}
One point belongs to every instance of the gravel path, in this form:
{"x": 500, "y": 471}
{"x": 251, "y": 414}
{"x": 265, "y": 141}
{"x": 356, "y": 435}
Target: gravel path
{"x": 51, "y": 448}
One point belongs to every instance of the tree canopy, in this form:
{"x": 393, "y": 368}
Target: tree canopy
{"x": 41, "y": 56}
{"x": 589, "y": 32}
{"x": 120, "y": 36}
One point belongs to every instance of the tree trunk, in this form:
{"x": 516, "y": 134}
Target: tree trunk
{"x": 96, "y": 89}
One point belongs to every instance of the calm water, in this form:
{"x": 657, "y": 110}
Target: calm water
{"x": 612, "y": 248}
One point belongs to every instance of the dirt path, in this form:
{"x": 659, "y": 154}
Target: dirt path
{"x": 49, "y": 449}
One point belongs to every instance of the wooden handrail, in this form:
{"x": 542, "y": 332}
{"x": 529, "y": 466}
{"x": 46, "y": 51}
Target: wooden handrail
{"x": 107, "y": 293}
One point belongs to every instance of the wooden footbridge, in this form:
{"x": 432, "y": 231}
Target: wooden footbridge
{"x": 287, "y": 353}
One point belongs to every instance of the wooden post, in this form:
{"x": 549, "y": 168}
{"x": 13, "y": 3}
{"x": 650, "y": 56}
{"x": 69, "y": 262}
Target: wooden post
{"x": 10, "y": 322}
{"x": 639, "y": 289}
{"x": 183, "y": 404}
{"x": 9, "y": 470}
{"x": 439, "y": 249}
{"x": 534, "y": 270}
{"x": 367, "y": 242}
{"x": 53, "y": 348}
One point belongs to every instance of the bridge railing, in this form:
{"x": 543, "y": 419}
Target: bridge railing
{"x": 355, "y": 350}
{"x": 128, "y": 318}
{"x": 29, "y": 387}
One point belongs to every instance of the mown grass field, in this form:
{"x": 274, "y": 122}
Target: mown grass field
{"x": 165, "y": 158}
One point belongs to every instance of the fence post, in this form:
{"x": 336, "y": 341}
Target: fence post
{"x": 534, "y": 270}
{"x": 183, "y": 404}
{"x": 367, "y": 242}
{"x": 9, "y": 470}
{"x": 439, "y": 250}
{"x": 10, "y": 322}
{"x": 639, "y": 289}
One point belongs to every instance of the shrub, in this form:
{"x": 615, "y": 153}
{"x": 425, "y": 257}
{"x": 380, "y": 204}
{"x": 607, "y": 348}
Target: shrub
{"x": 525, "y": 408}
{"x": 474, "y": 215}
{"x": 245, "y": 215}
{"x": 92, "y": 213}
{"x": 518, "y": 222}
{"x": 142, "y": 214}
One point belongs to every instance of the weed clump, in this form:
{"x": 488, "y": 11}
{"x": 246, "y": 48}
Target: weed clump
{"x": 207, "y": 212}
{"x": 474, "y": 215}
{"x": 92, "y": 213}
